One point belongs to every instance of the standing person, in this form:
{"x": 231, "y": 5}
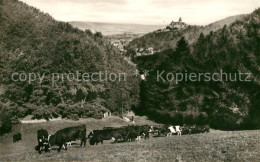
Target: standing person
{"x": 133, "y": 119}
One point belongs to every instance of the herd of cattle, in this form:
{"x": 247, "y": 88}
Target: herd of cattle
{"x": 64, "y": 137}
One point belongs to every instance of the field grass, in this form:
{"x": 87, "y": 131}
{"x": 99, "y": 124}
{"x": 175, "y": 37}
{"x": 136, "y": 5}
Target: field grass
{"x": 213, "y": 146}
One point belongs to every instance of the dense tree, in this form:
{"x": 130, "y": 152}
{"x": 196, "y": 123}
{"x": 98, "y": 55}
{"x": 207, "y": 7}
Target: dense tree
{"x": 223, "y": 104}
{"x": 183, "y": 46}
{"x": 5, "y": 120}
{"x": 33, "y": 42}
{"x": 201, "y": 49}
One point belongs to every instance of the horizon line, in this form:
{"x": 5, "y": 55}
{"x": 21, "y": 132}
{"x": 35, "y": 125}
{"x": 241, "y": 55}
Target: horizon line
{"x": 104, "y": 22}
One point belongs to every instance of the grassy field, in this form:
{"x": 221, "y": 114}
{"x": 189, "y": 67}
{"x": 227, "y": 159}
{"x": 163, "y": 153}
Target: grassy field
{"x": 213, "y": 146}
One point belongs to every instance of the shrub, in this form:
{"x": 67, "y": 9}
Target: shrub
{"x": 189, "y": 119}
{"x": 202, "y": 119}
{"x": 177, "y": 119}
{"x": 43, "y": 112}
{"x": 98, "y": 35}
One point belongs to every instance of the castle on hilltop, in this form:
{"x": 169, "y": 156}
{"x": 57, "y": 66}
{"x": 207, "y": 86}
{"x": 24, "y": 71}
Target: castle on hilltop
{"x": 177, "y": 25}
{"x": 174, "y": 26}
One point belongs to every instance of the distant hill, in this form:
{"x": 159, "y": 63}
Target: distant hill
{"x": 113, "y": 28}
{"x": 220, "y": 24}
{"x": 168, "y": 39}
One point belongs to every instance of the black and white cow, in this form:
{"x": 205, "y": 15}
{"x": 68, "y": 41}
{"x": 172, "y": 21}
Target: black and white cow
{"x": 43, "y": 143}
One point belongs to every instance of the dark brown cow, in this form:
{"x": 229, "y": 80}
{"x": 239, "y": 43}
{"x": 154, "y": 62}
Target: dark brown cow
{"x": 97, "y": 136}
{"x": 69, "y": 134}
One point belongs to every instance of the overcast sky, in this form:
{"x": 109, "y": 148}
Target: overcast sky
{"x": 200, "y": 12}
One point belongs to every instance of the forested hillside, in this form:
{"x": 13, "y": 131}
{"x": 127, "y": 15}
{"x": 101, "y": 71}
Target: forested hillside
{"x": 225, "y": 104}
{"x": 33, "y": 42}
{"x": 165, "y": 40}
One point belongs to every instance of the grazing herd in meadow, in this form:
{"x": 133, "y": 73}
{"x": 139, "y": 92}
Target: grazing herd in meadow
{"x": 65, "y": 137}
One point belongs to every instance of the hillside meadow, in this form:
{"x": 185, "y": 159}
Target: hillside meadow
{"x": 213, "y": 146}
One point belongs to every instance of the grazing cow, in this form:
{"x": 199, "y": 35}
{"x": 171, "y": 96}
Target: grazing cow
{"x": 193, "y": 129}
{"x": 146, "y": 130}
{"x": 161, "y": 130}
{"x": 97, "y": 136}
{"x": 61, "y": 137}
{"x": 17, "y": 137}
{"x": 42, "y": 138}
{"x": 154, "y": 130}
{"x": 151, "y": 130}
{"x": 68, "y": 143}
{"x": 172, "y": 131}
{"x": 127, "y": 133}
{"x": 185, "y": 129}
{"x": 91, "y": 134}
{"x": 178, "y": 130}
{"x": 132, "y": 133}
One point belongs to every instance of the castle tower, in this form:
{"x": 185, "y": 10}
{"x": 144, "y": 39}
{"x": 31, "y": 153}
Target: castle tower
{"x": 180, "y": 20}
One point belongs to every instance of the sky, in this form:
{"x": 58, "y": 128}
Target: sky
{"x": 199, "y": 12}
